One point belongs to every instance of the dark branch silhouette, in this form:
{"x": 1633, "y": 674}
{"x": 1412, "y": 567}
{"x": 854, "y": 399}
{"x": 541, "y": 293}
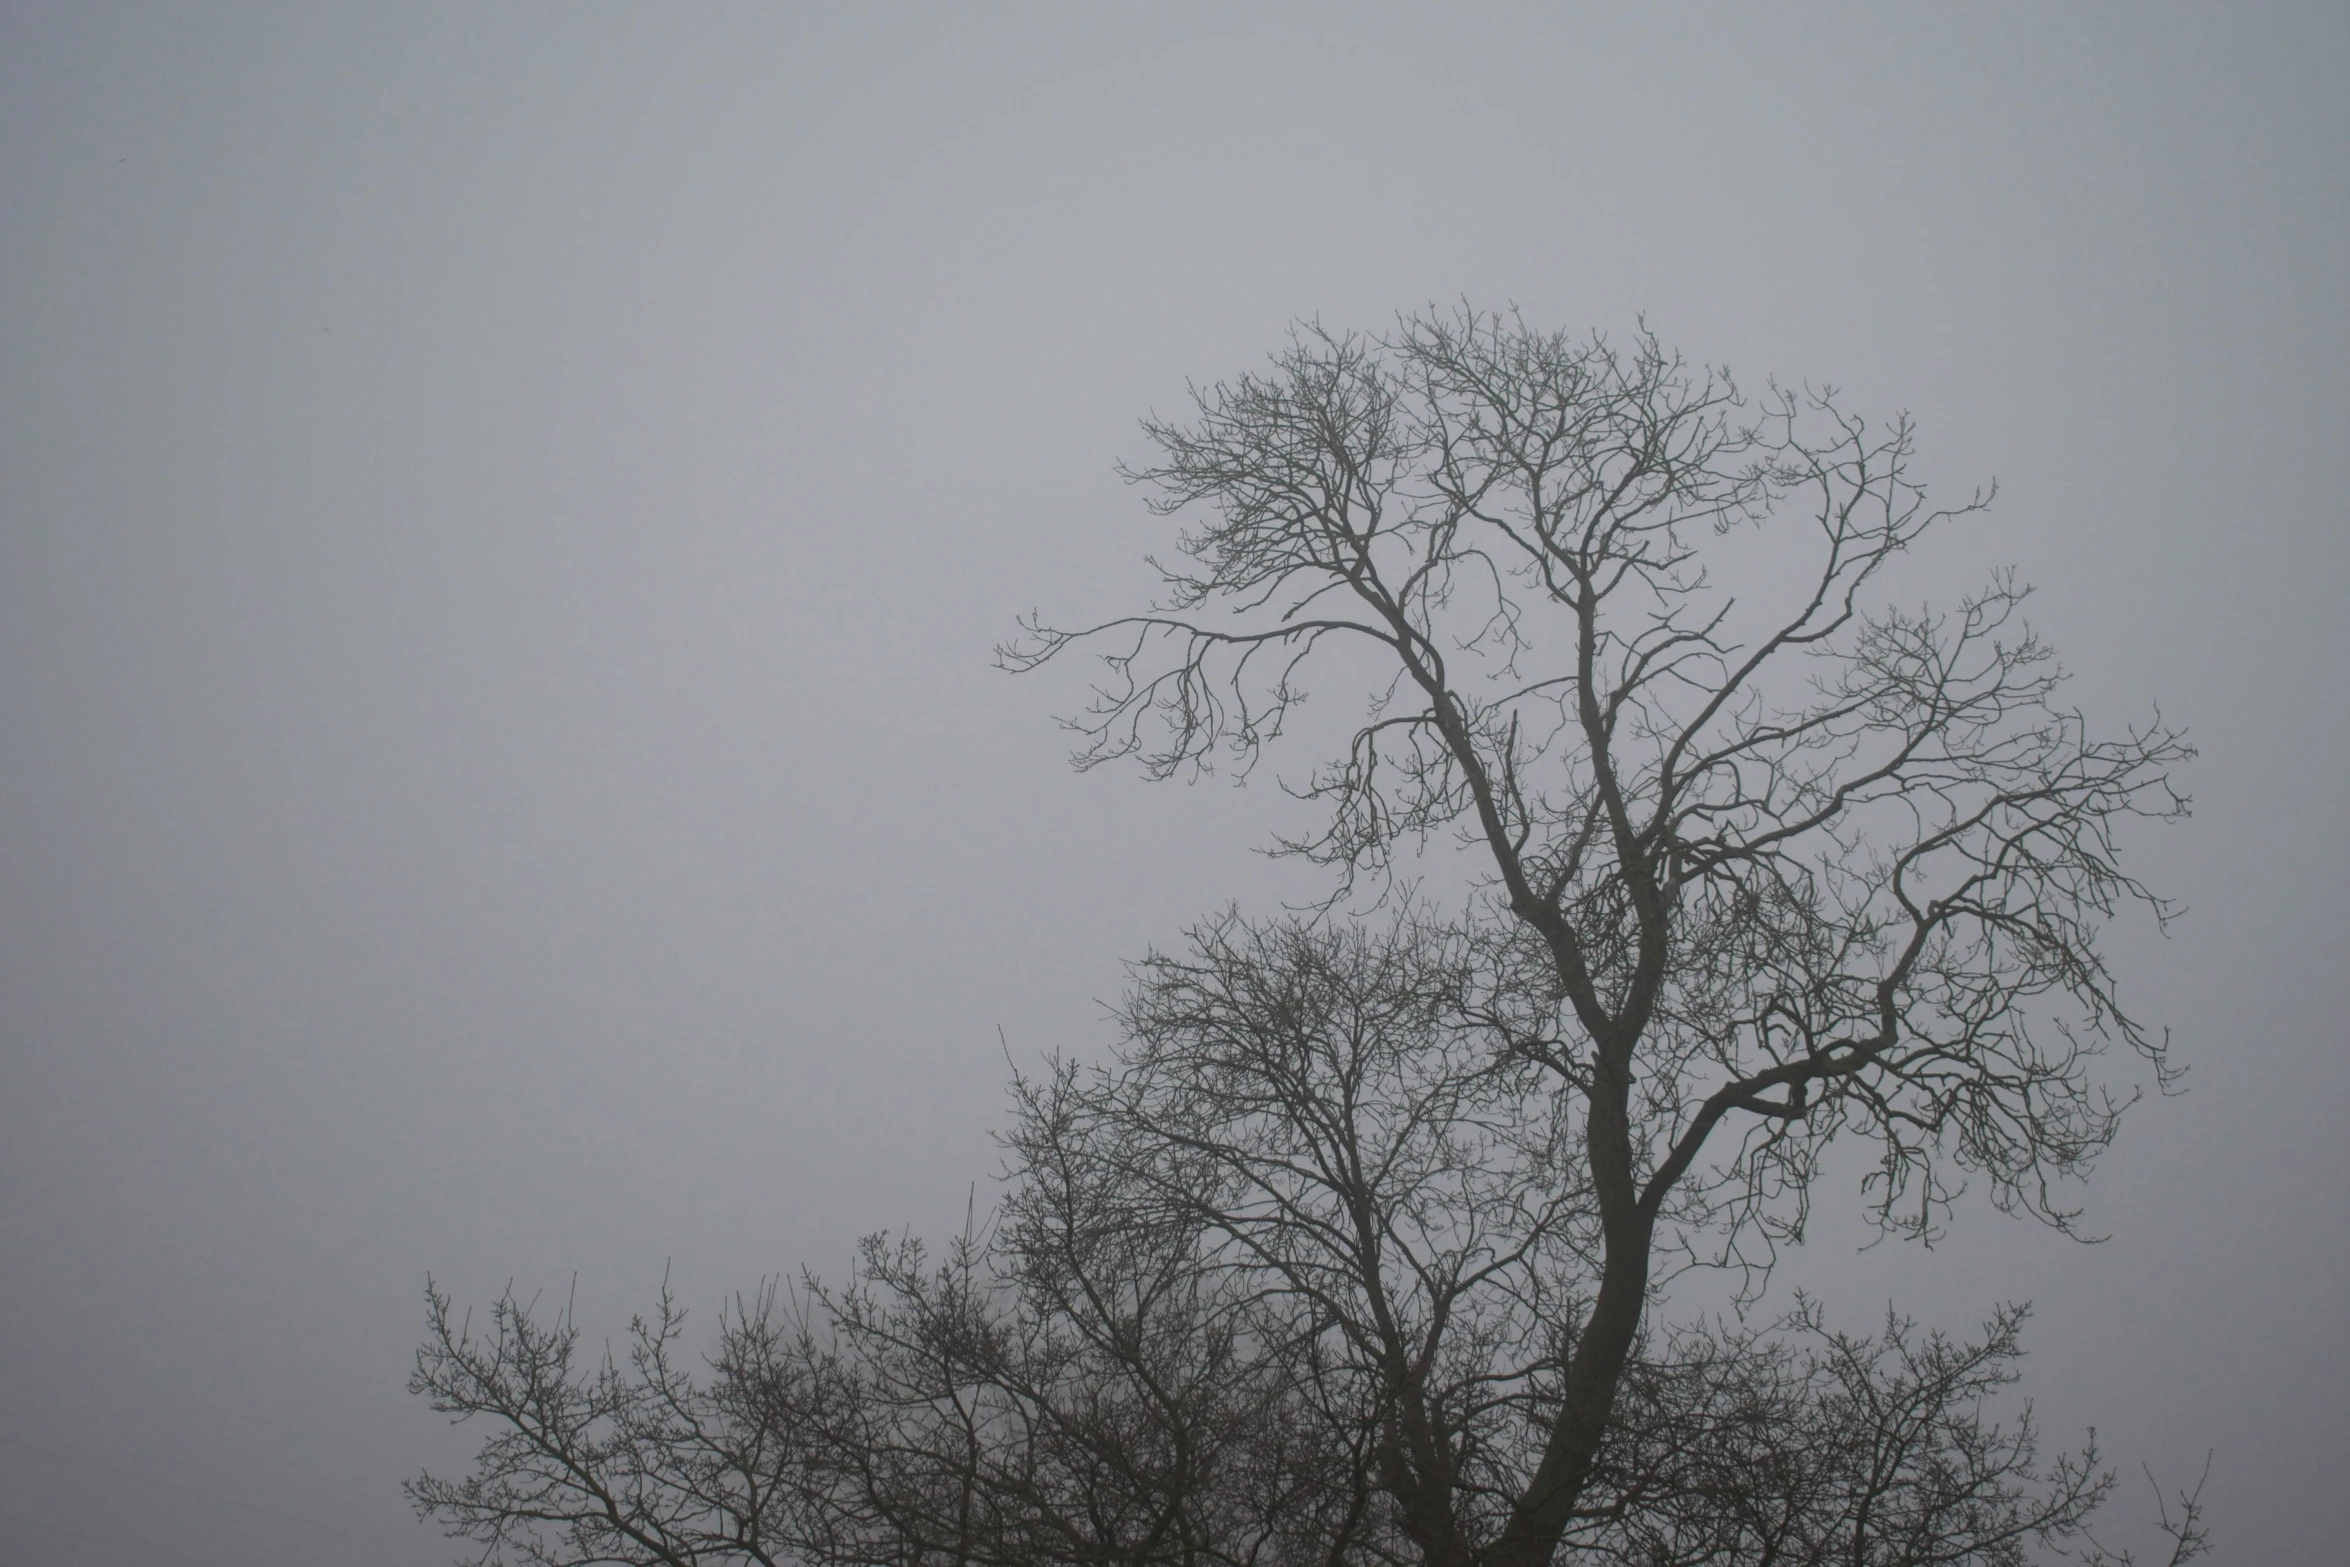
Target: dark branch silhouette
{"x": 1790, "y": 869}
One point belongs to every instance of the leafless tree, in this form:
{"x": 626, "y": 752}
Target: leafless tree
{"x": 1784, "y": 873}
{"x": 636, "y": 1460}
{"x": 1323, "y": 1125}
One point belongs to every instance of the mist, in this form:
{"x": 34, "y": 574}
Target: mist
{"x": 505, "y": 513}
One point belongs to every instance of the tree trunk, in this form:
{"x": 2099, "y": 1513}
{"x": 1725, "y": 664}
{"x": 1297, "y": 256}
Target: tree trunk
{"x": 1547, "y": 1504}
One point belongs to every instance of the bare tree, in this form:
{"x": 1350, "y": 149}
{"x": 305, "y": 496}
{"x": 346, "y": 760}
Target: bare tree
{"x": 1787, "y": 873}
{"x": 1324, "y": 1123}
{"x": 636, "y": 1461}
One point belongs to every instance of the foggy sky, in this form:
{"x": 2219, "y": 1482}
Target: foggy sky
{"x": 504, "y": 512}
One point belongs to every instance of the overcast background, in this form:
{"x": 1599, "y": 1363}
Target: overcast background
{"x": 504, "y": 512}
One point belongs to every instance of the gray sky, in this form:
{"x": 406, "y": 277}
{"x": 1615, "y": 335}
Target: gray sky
{"x": 503, "y": 513}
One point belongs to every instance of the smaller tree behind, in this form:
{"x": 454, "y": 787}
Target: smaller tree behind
{"x": 1294, "y": 1279}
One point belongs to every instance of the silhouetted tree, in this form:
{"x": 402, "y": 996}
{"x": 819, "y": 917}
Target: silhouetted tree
{"x": 1785, "y": 873}
{"x": 636, "y": 1460}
